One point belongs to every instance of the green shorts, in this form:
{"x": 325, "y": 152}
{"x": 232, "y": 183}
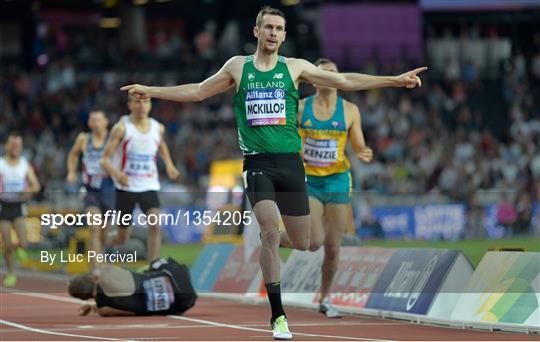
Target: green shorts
{"x": 331, "y": 189}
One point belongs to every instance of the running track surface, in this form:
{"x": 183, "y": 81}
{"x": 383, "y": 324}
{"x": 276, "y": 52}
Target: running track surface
{"x": 40, "y": 309}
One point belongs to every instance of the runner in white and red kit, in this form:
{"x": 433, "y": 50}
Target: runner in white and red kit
{"x": 18, "y": 182}
{"x": 134, "y": 143}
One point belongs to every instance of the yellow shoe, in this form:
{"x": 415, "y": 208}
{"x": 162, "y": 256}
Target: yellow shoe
{"x": 22, "y": 255}
{"x": 10, "y": 280}
{"x": 280, "y": 329}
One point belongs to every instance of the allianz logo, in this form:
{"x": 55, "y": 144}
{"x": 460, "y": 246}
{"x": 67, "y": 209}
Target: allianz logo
{"x": 409, "y": 283}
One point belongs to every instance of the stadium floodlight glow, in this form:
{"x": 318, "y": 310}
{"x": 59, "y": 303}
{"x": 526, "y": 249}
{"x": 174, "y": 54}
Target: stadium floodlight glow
{"x": 140, "y": 2}
{"x": 109, "y": 22}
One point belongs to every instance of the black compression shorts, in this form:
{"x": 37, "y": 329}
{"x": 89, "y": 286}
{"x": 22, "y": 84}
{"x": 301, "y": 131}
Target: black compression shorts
{"x": 126, "y": 201}
{"x": 277, "y": 177}
{"x": 11, "y": 211}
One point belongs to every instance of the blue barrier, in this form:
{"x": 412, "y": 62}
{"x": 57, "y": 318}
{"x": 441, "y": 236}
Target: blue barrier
{"x": 411, "y": 280}
{"x": 207, "y": 268}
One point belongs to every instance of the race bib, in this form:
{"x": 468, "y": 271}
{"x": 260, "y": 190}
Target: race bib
{"x": 91, "y": 163}
{"x": 159, "y": 294}
{"x": 266, "y": 107}
{"x": 320, "y": 152}
{"x": 139, "y": 165}
{"x": 13, "y": 186}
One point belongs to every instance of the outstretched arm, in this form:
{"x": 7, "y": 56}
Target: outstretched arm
{"x": 193, "y": 92}
{"x": 355, "y": 81}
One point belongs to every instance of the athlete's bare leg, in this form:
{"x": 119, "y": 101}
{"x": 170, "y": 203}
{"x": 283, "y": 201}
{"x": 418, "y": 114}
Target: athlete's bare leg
{"x": 153, "y": 242}
{"x": 298, "y": 230}
{"x": 335, "y": 222}
{"x": 19, "y": 224}
{"x": 267, "y": 216}
{"x": 317, "y": 224}
{"x": 316, "y": 237}
{"x": 5, "y": 230}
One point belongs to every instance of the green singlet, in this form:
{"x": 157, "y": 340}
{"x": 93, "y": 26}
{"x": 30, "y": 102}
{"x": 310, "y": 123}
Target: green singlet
{"x": 265, "y": 106}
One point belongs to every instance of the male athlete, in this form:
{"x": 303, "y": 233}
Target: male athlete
{"x": 266, "y": 104}
{"x": 326, "y": 121}
{"x": 99, "y": 185}
{"x": 18, "y": 182}
{"x": 164, "y": 289}
{"x": 135, "y": 141}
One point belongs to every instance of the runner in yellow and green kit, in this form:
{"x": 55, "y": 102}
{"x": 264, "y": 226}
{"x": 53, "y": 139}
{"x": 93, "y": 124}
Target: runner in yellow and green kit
{"x": 266, "y": 104}
{"x": 326, "y": 122}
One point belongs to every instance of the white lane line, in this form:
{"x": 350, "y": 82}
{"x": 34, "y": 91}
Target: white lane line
{"x": 240, "y": 327}
{"x": 42, "y": 295}
{"x": 47, "y": 332}
{"x": 188, "y": 319}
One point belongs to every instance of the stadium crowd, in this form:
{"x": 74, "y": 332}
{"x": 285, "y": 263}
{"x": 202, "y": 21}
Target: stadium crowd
{"x": 457, "y": 134}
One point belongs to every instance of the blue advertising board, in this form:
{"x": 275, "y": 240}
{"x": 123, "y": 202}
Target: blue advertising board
{"x": 209, "y": 264}
{"x": 495, "y": 230}
{"x": 535, "y": 222}
{"x": 411, "y": 279}
{"x": 396, "y": 221}
{"x": 439, "y": 221}
{"x": 427, "y": 222}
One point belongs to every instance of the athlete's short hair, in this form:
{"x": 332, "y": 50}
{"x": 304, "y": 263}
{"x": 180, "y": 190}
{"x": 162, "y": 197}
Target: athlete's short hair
{"x": 82, "y": 287}
{"x": 323, "y": 61}
{"x": 13, "y": 134}
{"x": 98, "y": 110}
{"x": 267, "y": 10}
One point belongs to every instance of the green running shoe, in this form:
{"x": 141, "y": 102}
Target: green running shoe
{"x": 22, "y": 255}
{"x": 10, "y": 280}
{"x": 280, "y": 329}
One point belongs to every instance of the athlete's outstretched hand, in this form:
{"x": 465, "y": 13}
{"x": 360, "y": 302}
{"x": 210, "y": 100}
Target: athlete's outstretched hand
{"x": 366, "y": 154}
{"x": 138, "y": 91}
{"x": 409, "y": 79}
